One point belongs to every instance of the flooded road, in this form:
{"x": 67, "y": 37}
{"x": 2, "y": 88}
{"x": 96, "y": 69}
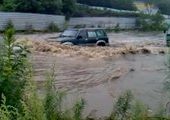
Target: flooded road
{"x": 138, "y": 38}
{"x": 101, "y": 81}
{"x": 100, "y": 75}
{"x": 136, "y": 62}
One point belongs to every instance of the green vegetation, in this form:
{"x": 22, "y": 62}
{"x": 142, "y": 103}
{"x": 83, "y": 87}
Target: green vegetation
{"x": 19, "y": 99}
{"x": 9, "y": 25}
{"x": 116, "y": 4}
{"x": 67, "y": 7}
{"x": 52, "y": 27}
{"x": 85, "y": 11}
{"x": 117, "y": 28}
{"x": 39, "y": 6}
{"x": 70, "y": 8}
{"x": 14, "y": 71}
{"x": 127, "y": 108}
{"x": 151, "y": 22}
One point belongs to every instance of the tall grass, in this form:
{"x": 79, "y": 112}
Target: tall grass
{"x": 127, "y": 108}
{"x": 14, "y": 70}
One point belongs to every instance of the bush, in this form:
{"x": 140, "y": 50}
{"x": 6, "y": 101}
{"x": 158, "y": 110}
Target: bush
{"x": 29, "y": 28}
{"x": 154, "y": 22}
{"x": 36, "y": 108}
{"x": 117, "y": 27}
{"x": 122, "y": 107}
{"x": 85, "y": 11}
{"x": 14, "y": 70}
{"x": 117, "y": 4}
{"x": 9, "y": 25}
{"x": 52, "y": 27}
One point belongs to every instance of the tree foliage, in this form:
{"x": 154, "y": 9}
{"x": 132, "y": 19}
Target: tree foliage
{"x": 68, "y": 7}
{"x": 117, "y": 4}
{"x": 151, "y": 22}
{"x": 51, "y": 6}
{"x": 39, "y": 6}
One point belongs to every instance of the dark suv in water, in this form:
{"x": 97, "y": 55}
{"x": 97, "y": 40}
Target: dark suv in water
{"x": 84, "y": 36}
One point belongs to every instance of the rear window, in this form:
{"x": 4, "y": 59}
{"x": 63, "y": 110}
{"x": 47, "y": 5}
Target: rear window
{"x": 100, "y": 33}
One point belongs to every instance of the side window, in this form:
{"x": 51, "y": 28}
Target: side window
{"x": 91, "y": 34}
{"x": 83, "y": 34}
{"x": 100, "y": 33}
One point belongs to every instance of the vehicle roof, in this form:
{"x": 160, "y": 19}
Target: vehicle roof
{"x": 78, "y": 29}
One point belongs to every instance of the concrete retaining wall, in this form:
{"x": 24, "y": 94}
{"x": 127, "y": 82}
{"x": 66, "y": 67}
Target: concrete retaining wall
{"x": 22, "y": 21}
{"x": 106, "y": 22}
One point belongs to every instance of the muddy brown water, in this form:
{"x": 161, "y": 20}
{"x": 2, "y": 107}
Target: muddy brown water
{"x": 99, "y": 82}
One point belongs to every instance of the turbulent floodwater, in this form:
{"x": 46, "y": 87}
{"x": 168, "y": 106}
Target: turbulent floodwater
{"x": 100, "y": 82}
{"x": 90, "y": 73}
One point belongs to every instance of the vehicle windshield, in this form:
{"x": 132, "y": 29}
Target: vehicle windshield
{"x": 69, "y": 33}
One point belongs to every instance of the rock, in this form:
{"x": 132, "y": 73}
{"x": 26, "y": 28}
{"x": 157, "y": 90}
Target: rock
{"x": 123, "y": 53}
{"x": 133, "y": 51}
{"x": 145, "y": 51}
{"x": 132, "y": 70}
{"x": 162, "y": 52}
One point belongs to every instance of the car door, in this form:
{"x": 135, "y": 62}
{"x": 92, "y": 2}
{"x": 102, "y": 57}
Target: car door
{"x": 82, "y": 37}
{"x": 102, "y": 35}
{"x": 92, "y": 37}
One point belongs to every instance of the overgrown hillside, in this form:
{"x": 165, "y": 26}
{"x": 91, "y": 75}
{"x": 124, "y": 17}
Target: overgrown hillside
{"x": 117, "y": 4}
{"x": 70, "y": 8}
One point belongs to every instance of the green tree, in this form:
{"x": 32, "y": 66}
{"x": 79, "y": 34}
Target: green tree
{"x": 117, "y": 4}
{"x": 7, "y": 5}
{"x": 51, "y": 6}
{"x": 154, "y": 22}
{"x": 33, "y": 6}
{"x": 69, "y": 7}
{"x": 1, "y": 1}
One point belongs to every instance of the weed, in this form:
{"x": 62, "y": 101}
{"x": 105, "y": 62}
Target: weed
{"x": 78, "y": 109}
{"x": 117, "y": 27}
{"x": 14, "y": 70}
{"x": 122, "y": 107}
{"x": 9, "y": 25}
{"x": 29, "y": 28}
{"x": 52, "y": 27}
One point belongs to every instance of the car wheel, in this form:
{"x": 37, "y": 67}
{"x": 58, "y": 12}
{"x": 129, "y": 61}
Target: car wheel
{"x": 67, "y": 43}
{"x": 101, "y": 43}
